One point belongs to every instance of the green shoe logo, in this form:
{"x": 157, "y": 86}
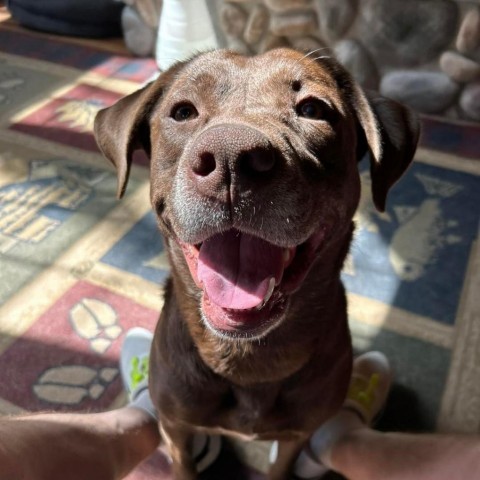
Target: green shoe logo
{"x": 139, "y": 371}
{"x": 363, "y": 391}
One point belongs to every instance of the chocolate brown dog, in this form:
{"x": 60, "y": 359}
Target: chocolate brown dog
{"x": 254, "y": 182}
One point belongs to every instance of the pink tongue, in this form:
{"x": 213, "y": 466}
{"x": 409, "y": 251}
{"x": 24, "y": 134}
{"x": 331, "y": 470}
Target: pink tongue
{"x": 236, "y": 268}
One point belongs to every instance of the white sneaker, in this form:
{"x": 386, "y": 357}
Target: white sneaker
{"x": 134, "y": 358}
{"x": 134, "y": 364}
{"x": 368, "y": 391}
{"x": 369, "y": 386}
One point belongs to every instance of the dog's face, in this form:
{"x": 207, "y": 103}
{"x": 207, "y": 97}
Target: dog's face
{"x": 254, "y": 172}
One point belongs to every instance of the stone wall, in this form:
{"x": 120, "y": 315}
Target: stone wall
{"x": 425, "y": 53}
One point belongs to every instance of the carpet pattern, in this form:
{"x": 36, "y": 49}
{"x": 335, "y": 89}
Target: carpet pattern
{"x": 78, "y": 268}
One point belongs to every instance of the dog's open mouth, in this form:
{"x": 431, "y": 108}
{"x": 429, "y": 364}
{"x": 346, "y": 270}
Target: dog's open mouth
{"x": 246, "y": 280}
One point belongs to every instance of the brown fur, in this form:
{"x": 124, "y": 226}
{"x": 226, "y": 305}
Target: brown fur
{"x": 284, "y": 383}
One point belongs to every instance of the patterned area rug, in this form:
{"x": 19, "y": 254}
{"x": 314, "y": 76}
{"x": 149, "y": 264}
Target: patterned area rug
{"x": 78, "y": 268}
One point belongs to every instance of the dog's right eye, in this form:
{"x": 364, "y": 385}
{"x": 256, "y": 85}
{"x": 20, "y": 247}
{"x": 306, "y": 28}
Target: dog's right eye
{"x": 312, "y": 109}
{"x": 184, "y": 112}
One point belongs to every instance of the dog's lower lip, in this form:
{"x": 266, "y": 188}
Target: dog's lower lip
{"x": 240, "y": 323}
{"x": 296, "y": 264}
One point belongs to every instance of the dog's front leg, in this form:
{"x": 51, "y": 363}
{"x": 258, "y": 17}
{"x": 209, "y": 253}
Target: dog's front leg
{"x": 178, "y": 440}
{"x": 287, "y": 453}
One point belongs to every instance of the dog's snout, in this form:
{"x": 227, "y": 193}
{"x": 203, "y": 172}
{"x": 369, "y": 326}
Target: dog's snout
{"x": 231, "y": 153}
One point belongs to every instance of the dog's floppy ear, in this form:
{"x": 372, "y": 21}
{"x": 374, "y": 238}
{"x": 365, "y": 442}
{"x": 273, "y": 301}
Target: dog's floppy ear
{"x": 389, "y": 132}
{"x": 124, "y": 127}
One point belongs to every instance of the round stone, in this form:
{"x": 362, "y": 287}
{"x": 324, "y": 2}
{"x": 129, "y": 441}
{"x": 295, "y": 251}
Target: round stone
{"x": 335, "y": 17}
{"x": 408, "y": 32}
{"x": 468, "y": 38}
{"x": 459, "y": 68}
{"x": 138, "y": 37}
{"x": 257, "y": 25}
{"x": 270, "y": 41}
{"x": 238, "y": 45}
{"x": 470, "y": 101}
{"x": 294, "y": 24}
{"x": 233, "y": 20}
{"x": 427, "y": 92}
{"x": 355, "y": 58}
{"x": 286, "y": 5}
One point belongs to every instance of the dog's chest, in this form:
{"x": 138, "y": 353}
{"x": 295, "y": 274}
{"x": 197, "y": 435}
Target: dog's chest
{"x": 252, "y": 405}
{"x": 252, "y": 413}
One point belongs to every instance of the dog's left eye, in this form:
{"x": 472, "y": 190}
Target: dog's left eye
{"x": 313, "y": 109}
{"x": 184, "y": 112}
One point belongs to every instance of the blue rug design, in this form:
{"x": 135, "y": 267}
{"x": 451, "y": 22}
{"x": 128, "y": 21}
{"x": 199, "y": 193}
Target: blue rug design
{"x": 415, "y": 255}
{"x": 140, "y": 251}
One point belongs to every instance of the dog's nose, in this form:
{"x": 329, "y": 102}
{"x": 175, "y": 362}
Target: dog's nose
{"x": 227, "y": 154}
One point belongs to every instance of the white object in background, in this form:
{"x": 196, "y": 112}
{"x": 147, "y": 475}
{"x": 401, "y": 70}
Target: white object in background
{"x": 185, "y": 28}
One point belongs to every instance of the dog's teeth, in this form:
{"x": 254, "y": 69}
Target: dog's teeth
{"x": 259, "y": 307}
{"x": 288, "y": 254}
{"x": 271, "y": 286}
